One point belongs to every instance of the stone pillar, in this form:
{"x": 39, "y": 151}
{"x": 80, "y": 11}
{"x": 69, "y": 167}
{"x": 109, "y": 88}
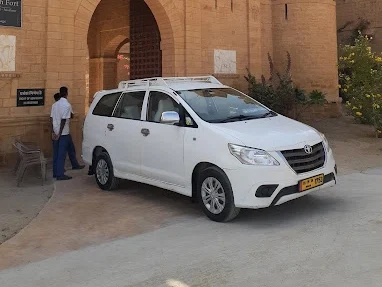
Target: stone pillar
{"x": 307, "y": 29}
{"x": 266, "y": 39}
{"x": 61, "y": 62}
{"x": 254, "y": 29}
{"x": 193, "y": 38}
{"x": 102, "y": 75}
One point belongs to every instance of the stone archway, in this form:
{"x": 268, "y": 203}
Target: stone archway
{"x": 171, "y": 35}
{"x": 110, "y": 50}
{"x": 103, "y": 64}
{"x": 108, "y": 28}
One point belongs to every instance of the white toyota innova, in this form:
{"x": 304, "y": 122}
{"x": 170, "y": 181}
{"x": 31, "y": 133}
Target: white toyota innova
{"x": 200, "y": 138}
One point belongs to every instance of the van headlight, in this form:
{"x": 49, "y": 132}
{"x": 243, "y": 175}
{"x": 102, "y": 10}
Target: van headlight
{"x": 325, "y": 141}
{"x": 252, "y": 156}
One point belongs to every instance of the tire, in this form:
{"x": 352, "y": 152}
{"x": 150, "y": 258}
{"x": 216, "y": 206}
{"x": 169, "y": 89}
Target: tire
{"x": 104, "y": 173}
{"x": 223, "y": 207}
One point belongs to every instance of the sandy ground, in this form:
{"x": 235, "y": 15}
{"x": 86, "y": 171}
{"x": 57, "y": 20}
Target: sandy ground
{"x": 327, "y": 238}
{"x": 19, "y": 205}
{"x": 354, "y": 145}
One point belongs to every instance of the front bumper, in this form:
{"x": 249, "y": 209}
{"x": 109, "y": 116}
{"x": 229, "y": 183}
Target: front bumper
{"x": 282, "y": 181}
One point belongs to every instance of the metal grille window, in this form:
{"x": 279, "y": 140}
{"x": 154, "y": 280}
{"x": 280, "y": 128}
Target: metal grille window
{"x": 145, "y": 52}
{"x": 302, "y": 162}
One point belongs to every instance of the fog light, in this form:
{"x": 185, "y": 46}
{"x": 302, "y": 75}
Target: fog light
{"x": 266, "y": 190}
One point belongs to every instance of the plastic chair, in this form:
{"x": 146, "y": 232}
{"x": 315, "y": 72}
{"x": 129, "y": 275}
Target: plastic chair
{"x": 28, "y": 146}
{"x": 29, "y": 158}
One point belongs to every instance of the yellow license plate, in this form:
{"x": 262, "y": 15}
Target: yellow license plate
{"x": 312, "y": 182}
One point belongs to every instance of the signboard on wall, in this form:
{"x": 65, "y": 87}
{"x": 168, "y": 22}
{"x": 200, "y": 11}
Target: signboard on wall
{"x": 10, "y": 13}
{"x": 30, "y": 97}
{"x": 225, "y": 61}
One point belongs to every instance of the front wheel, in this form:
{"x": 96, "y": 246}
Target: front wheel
{"x": 104, "y": 173}
{"x": 216, "y": 196}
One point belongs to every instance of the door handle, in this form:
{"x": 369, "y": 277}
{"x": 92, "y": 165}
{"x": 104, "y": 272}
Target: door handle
{"x": 145, "y": 132}
{"x": 110, "y": 127}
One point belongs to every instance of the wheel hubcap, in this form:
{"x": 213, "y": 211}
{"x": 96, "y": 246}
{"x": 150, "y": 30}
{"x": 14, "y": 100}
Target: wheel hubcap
{"x": 213, "y": 195}
{"x": 102, "y": 171}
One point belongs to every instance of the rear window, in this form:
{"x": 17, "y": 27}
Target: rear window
{"x": 106, "y": 105}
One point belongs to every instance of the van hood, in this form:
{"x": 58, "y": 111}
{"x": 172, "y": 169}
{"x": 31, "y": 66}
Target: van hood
{"x": 271, "y": 134}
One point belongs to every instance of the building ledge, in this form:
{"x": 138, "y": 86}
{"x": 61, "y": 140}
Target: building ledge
{"x": 9, "y": 75}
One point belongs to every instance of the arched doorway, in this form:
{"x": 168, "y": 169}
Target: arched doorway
{"x": 116, "y": 25}
{"x": 171, "y": 30}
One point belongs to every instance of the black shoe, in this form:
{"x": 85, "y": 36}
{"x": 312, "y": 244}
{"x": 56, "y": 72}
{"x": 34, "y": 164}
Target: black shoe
{"x": 54, "y": 176}
{"x": 78, "y": 167}
{"x": 65, "y": 177}
{"x": 90, "y": 171}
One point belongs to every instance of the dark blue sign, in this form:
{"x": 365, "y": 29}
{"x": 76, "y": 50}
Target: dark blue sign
{"x": 10, "y": 13}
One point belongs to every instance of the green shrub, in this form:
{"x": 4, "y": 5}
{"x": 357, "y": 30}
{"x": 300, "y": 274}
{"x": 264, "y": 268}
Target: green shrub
{"x": 279, "y": 94}
{"x": 360, "y": 74}
{"x": 304, "y": 102}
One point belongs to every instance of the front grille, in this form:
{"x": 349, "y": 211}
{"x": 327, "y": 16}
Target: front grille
{"x": 302, "y": 162}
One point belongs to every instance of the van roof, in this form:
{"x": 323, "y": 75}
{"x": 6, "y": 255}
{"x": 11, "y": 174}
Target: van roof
{"x": 174, "y": 83}
{"x": 171, "y": 82}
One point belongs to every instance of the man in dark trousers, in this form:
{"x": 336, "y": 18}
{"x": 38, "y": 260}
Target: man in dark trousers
{"x": 61, "y": 117}
{"x": 54, "y": 138}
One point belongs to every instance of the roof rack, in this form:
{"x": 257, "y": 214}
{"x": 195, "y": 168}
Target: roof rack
{"x": 160, "y": 81}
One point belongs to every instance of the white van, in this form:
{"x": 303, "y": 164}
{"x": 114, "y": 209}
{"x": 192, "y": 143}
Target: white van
{"x": 200, "y": 138}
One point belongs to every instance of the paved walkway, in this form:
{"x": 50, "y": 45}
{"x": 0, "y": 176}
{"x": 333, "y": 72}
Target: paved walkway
{"x": 330, "y": 238}
{"x": 80, "y": 214}
{"x": 20, "y": 205}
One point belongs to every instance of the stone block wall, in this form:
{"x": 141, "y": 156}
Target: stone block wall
{"x": 27, "y": 123}
{"x": 307, "y": 30}
{"x": 349, "y": 14}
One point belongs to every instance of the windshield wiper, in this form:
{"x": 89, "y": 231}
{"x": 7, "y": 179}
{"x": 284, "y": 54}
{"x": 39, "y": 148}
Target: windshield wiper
{"x": 239, "y": 118}
{"x": 244, "y": 118}
{"x": 267, "y": 114}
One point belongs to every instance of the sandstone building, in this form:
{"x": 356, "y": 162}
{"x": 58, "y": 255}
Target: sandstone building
{"x": 360, "y": 14}
{"x": 90, "y": 45}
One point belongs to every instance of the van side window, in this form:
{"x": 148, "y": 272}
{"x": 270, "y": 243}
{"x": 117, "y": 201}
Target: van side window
{"x": 130, "y": 106}
{"x": 159, "y": 103}
{"x": 106, "y": 105}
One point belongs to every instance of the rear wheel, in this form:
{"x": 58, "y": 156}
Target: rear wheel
{"x": 215, "y": 195}
{"x": 104, "y": 173}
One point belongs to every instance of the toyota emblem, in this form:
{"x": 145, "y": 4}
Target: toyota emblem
{"x": 308, "y": 149}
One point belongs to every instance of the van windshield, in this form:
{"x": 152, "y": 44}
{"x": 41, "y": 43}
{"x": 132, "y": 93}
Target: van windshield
{"x": 223, "y": 105}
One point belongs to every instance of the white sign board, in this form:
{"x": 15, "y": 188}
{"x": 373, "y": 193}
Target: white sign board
{"x": 7, "y": 53}
{"x": 225, "y": 61}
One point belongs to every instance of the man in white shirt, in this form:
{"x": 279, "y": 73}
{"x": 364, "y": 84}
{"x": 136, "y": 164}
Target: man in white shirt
{"x": 54, "y": 137}
{"x": 62, "y": 113}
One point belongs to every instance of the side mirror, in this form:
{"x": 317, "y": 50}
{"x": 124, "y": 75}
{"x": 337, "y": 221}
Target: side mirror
{"x": 170, "y": 118}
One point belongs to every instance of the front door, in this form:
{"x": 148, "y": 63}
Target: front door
{"x": 162, "y": 146}
{"x": 125, "y": 133}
